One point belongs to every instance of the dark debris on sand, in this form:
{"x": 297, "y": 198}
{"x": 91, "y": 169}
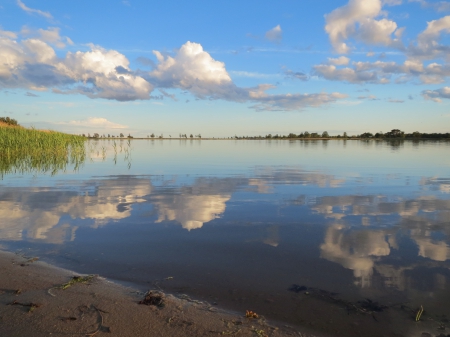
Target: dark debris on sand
{"x": 155, "y": 298}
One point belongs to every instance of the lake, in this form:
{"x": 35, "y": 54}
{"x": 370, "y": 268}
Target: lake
{"x": 348, "y": 237}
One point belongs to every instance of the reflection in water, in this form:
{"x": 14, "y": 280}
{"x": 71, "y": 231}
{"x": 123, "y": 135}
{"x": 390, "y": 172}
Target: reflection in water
{"x": 44, "y": 214}
{"x": 194, "y": 205}
{"x": 355, "y": 249}
{"x": 192, "y": 211}
{"x": 355, "y": 238}
{"x": 425, "y": 221}
{"x": 51, "y": 161}
{"x": 48, "y": 215}
{"x": 386, "y": 230}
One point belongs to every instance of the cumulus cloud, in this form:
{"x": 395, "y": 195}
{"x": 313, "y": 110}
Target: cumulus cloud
{"x": 428, "y": 45}
{"x": 193, "y": 69}
{"x": 275, "y": 34}
{"x": 381, "y": 72}
{"x": 51, "y": 35}
{"x": 95, "y": 122}
{"x": 293, "y": 101}
{"x": 332, "y": 73}
{"x": 358, "y": 20}
{"x": 340, "y": 61}
{"x": 437, "y": 95}
{"x": 32, "y": 63}
{"x": 34, "y": 11}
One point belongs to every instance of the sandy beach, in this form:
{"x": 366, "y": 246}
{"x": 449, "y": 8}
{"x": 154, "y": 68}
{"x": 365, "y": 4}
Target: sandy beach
{"x": 34, "y": 303}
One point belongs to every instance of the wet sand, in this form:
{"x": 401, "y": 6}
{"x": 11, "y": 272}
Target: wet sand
{"x": 32, "y": 303}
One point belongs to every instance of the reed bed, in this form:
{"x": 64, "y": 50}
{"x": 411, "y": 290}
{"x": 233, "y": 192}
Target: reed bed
{"x": 33, "y": 151}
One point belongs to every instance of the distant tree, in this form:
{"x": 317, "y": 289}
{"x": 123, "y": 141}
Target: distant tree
{"x": 89, "y": 135}
{"x": 191, "y": 136}
{"x": 366, "y": 135}
{"x": 325, "y": 134}
{"x": 395, "y": 133}
{"x": 314, "y": 135}
{"x": 292, "y": 135}
{"x": 416, "y": 134}
{"x": 121, "y": 135}
{"x": 345, "y": 135}
{"x": 9, "y": 121}
{"x": 109, "y": 136}
{"x": 152, "y": 135}
{"x": 306, "y": 134}
{"x": 84, "y": 135}
{"x": 96, "y": 135}
{"x": 130, "y": 136}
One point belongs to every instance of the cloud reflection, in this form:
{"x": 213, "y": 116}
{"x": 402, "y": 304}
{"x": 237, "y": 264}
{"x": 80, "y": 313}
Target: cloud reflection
{"x": 363, "y": 246}
{"x": 362, "y": 232}
{"x": 45, "y": 214}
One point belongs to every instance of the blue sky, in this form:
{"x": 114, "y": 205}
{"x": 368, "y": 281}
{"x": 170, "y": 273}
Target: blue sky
{"x": 226, "y": 67}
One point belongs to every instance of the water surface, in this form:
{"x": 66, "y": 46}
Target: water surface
{"x": 238, "y": 223}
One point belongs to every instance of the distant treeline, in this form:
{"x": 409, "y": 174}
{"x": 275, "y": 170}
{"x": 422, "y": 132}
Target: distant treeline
{"x": 9, "y": 121}
{"x": 393, "y": 134}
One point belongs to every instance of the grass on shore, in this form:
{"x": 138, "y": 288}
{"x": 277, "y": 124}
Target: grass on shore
{"x": 30, "y": 150}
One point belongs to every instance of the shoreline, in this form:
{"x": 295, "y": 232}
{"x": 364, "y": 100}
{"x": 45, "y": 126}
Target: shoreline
{"x": 33, "y": 303}
{"x": 270, "y": 139}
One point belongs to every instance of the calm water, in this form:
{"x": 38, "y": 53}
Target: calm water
{"x": 237, "y": 223}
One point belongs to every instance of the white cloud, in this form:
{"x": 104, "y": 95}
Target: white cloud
{"x": 293, "y": 101}
{"x": 99, "y": 73}
{"x": 331, "y": 72}
{"x": 340, "y": 61}
{"x": 275, "y": 34}
{"x": 427, "y": 41}
{"x": 437, "y": 95}
{"x": 382, "y": 72}
{"x": 357, "y": 20}
{"x": 95, "y": 122}
{"x": 193, "y": 69}
{"x": 35, "y": 11}
{"x": 51, "y": 35}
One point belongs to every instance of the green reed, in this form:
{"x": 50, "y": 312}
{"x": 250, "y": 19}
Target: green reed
{"x": 33, "y": 151}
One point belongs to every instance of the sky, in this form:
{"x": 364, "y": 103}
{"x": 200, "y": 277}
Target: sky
{"x": 225, "y": 68}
